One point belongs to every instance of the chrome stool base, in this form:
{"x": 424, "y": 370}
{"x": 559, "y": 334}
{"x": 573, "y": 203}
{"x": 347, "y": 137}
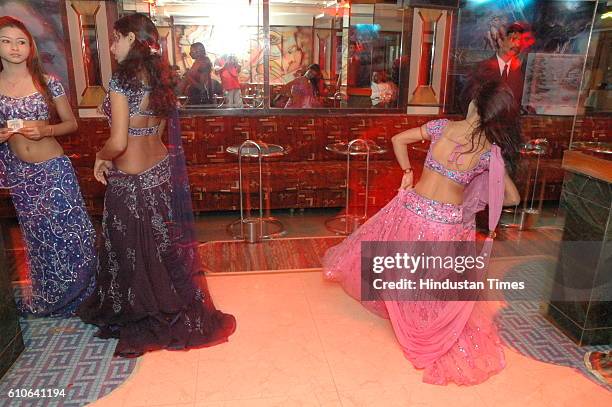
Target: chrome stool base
{"x": 527, "y": 218}
{"x": 344, "y": 224}
{"x": 256, "y": 229}
{"x": 347, "y": 223}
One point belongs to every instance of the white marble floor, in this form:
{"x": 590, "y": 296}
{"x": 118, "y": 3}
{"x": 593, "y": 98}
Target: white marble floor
{"x": 302, "y": 341}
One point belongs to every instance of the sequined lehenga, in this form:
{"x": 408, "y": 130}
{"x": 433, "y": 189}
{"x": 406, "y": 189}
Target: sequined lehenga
{"x": 151, "y": 290}
{"x": 58, "y": 234}
{"x": 453, "y": 341}
{"x": 146, "y": 295}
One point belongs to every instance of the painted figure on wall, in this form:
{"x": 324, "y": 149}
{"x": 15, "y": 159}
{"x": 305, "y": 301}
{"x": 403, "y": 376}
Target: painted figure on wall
{"x": 290, "y": 50}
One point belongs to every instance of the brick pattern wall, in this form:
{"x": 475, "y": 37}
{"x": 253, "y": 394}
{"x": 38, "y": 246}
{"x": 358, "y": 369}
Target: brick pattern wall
{"x": 309, "y": 175}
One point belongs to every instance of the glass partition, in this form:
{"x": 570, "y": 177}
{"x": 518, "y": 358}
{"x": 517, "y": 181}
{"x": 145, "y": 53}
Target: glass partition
{"x": 308, "y": 54}
{"x": 283, "y": 54}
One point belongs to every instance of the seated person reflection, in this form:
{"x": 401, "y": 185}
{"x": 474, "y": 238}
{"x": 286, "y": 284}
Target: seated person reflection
{"x": 306, "y": 90}
{"x": 383, "y": 92}
{"x": 197, "y": 83}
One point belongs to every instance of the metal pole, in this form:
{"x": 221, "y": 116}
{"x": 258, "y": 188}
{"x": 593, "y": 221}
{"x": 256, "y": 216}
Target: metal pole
{"x": 348, "y": 177}
{"x": 367, "y": 183}
{"x": 535, "y": 180}
{"x": 260, "y": 156}
{"x": 348, "y": 155}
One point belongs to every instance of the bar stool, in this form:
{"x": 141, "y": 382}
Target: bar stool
{"x": 527, "y": 217}
{"x": 219, "y": 100}
{"x": 254, "y": 229}
{"x": 345, "y": 224}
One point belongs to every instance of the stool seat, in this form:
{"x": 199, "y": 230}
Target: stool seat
{"x": 265, "y": 149}
{"x": 357, "y": 148}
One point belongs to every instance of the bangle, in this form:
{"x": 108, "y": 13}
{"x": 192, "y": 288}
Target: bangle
{"x": 51, "y": 131}
{"x": 408, "y": 170}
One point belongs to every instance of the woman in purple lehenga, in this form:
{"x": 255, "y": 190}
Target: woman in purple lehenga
{"x": 151, "y": 292}
{"x": 307, "y": 89}
{"x": 58, "y": 234}
{"x": 452, "y": 340}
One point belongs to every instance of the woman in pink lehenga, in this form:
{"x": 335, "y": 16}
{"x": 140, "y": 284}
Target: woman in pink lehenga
{"x": 453, "y": 341}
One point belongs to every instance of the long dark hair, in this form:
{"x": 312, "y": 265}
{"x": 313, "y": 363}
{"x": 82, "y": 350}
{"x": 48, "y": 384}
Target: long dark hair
{"x": 314, "y": 82}
{"x": 145, "y": 58}
{"x": 499, "y": 120}
{"x": 33, "y": 63}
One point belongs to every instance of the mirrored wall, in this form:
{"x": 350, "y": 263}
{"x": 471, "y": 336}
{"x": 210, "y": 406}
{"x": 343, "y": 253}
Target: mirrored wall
{"x": 284, "y": 54}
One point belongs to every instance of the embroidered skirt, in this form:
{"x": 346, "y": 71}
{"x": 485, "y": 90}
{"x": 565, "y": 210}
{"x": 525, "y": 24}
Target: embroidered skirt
{"x": 59, "y": 236}
{"x": 151, "y": 292}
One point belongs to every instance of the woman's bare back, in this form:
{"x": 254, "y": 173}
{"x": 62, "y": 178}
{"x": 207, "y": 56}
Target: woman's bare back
{"x": 456, "y": 137}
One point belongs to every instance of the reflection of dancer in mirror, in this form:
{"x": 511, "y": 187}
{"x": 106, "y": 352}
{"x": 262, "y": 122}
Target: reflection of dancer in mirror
{"x": 453, "y": 341}
{"x": 58, "y": 234}
{"x": 306, "y": 89}
{"x": 151, "y": 291}
{"x": 384, "y": 92}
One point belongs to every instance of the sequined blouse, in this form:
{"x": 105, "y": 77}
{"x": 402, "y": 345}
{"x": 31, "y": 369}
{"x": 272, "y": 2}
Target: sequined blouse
{"x": 31, "y": 107}
{"x": 134, "y": 97}
{"x": 435, "y": 129}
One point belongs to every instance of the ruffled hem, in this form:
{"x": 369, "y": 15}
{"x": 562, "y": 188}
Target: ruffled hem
{"x": 187, "y": 329}
{"x": 474, "y": 357}
{"x": 474, "y": 352}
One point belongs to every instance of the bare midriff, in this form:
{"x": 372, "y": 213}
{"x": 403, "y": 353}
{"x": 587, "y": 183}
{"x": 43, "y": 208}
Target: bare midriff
{"x": 435, "y": 186}
{"x": 34, "y": 151}
{"x": 142, "y": 152}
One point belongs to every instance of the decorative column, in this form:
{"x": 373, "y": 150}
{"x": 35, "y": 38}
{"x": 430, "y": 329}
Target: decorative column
{"x": 429, "y": 49}
{"x": 424, "y": 92}
{"x": 581, "y": 302}
{"x": 94, "y": 92}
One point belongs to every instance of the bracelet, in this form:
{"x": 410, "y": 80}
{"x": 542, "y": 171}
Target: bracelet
{"x": 408, "y": 170}
{"x": 51, "y": 131}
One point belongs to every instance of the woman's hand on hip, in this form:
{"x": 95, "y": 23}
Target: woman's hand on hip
{"x": 101, "y": 168}
{"x": 407, "y": 181}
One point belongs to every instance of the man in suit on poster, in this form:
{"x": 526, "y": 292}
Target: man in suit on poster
{"x": 505, "y": 65}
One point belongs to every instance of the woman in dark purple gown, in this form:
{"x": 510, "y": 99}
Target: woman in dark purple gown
{"x": 151, "y": 291}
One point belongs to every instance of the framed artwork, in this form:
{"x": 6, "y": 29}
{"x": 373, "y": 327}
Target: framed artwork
{"x": 563, "y": 27}
{"x": 552, "y": 83}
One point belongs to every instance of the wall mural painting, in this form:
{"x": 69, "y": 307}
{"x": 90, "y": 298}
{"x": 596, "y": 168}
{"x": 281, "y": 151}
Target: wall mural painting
{"x": 291, "y": 48}
{"x": 557, "y": 27}
{"x": 562, "y": 27}
{"x": 481, "y": 28}
{"x": 43, "y": 18}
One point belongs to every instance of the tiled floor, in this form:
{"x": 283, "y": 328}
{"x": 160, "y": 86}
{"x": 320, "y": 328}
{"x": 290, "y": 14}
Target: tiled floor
{"x": 303, "y": 342}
